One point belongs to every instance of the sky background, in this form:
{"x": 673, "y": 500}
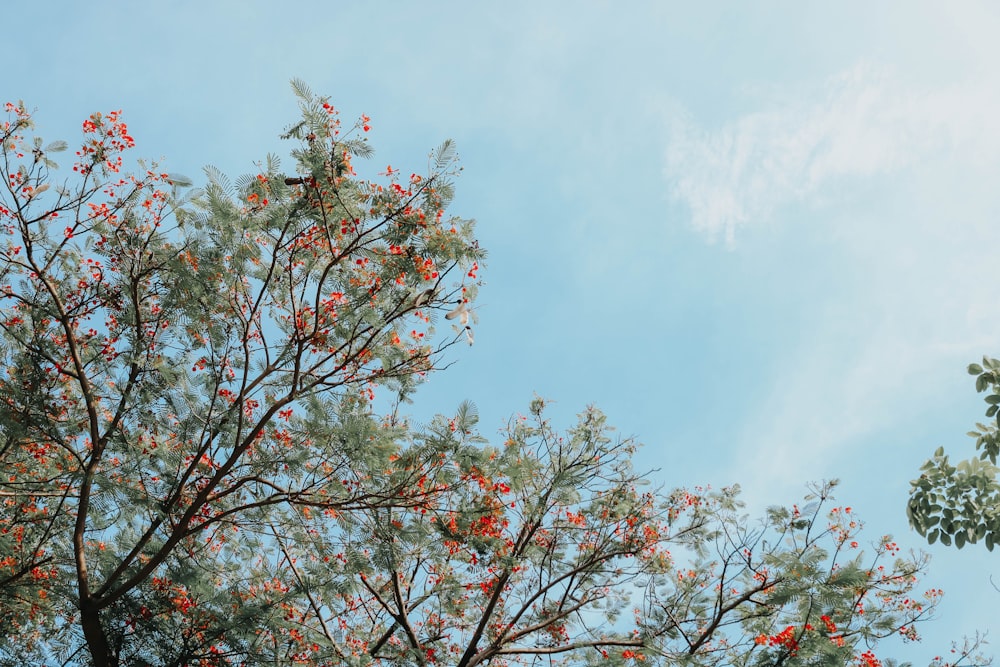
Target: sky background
{"x": 759, "y": 236}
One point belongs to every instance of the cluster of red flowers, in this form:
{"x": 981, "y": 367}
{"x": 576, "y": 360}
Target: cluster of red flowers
{"x": 868, "y": 659}
{"x": 784, "y": 638}
{"x": 111, "y": 138}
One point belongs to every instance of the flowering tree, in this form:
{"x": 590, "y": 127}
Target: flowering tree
{"x": 194, "y": 473}
{"x": 176, "y": 364}
{"x": 961, "y": 503}
{"x": 545, "y": 547}
{"x": 795, "y": 588}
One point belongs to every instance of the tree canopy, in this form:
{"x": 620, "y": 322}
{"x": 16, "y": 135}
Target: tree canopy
{"x": 960, "y": 504}
{"x": 197, "y": 470}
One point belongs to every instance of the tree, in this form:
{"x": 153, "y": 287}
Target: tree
{"x": 177, "y": 362}
{"x": 196, "y": 473}
{"x": 547, "y": 548}
{"x": 961, "y": 503}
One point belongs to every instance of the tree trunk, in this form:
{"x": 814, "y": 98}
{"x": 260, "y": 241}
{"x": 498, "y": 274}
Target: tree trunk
{"x": 93, "y": 632}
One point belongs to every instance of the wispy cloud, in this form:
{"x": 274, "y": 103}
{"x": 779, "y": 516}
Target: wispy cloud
{"x": 898, "y": 181}
{"x": 861, "y": 123}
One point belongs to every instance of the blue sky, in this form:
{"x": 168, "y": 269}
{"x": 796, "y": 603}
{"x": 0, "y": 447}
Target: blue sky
{"x": 759, "y": 237}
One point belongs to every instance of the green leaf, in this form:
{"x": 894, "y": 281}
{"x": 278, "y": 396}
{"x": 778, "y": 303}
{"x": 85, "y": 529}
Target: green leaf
{"x": 301, "y": 89}
{"x": 179, "y": 180}
{"x": 444, "y": 155}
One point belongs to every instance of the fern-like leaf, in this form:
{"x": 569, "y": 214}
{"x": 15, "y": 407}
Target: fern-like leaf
{"x": 301, "y": 90}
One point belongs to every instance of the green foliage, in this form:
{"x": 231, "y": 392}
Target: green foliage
{"x": 960, "y": 504}
{"x": 181, "y": 367}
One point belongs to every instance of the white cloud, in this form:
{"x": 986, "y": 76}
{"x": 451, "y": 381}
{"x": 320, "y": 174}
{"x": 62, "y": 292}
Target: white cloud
{"x": 898, "y": 181}
{"x": 862, "y": 123}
